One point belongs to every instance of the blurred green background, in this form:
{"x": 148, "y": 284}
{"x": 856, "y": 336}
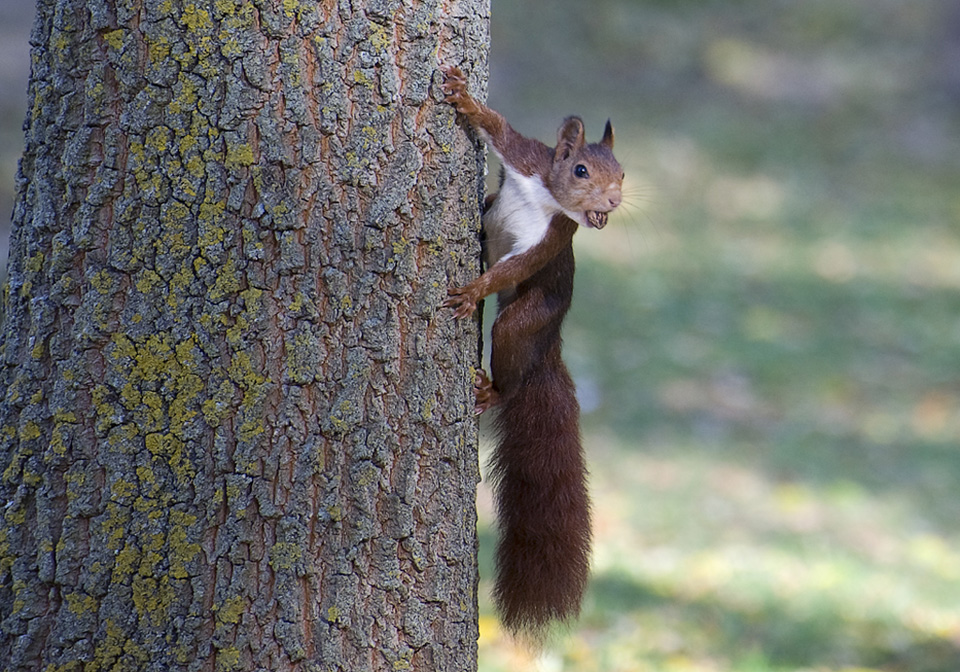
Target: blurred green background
{"x": 766, "y": 337}
{"x": 16, "y": 19}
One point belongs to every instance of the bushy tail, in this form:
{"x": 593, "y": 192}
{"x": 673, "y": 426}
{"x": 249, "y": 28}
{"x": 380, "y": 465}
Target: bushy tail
{"x": 539, "y": 473}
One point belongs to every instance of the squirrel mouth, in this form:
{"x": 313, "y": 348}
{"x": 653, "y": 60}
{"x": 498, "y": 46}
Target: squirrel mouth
{"x": 596, "y": 219}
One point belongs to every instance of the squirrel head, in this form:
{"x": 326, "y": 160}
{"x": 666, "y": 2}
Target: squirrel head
{"x": 585, "y": 177}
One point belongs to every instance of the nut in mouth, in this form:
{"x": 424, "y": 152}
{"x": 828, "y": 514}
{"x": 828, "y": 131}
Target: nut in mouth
{"x": 596, "y": 219}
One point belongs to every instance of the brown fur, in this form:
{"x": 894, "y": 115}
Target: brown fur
{"x": 510, "y": 272}
{"x": 525, "y": 154}
{"x": 538, "y": 467}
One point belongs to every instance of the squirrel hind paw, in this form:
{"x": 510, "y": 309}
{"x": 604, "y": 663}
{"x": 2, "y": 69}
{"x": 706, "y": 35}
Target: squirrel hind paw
{"x": 486, "y": 395}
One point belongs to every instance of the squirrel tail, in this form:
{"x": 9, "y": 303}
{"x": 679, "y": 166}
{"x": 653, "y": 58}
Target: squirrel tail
{"x": 539, "y": 475}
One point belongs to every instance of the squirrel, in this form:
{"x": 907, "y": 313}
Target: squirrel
{"x": 538, "y": 467}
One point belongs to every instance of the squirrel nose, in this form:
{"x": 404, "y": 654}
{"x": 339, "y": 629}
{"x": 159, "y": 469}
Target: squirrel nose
{"x": 614, "y": 200}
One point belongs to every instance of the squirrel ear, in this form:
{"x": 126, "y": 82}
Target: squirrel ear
{"x": 607, "y": 139}
{"x": 569, "y": 137}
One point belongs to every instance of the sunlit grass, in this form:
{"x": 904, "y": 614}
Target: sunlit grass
{"x": 705, "y": 563}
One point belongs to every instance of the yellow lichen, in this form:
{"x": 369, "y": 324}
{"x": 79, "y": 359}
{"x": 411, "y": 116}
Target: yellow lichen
{"x": 114, "y": 38}
{"x": 130, "y": 396}
{"x": 122, "y": 489}
{"x": 152, "y": 598}
{"x": 79, "y": 603}
{"x": 210, "y": 235}
{"x": 239, "y": 156}
{"x": 427, "y": 412}
{"x": 147, "y": 478}
{"x": 35, "y": 263}
{"x": 123, "y": 563}
{"x": 195, "y": 166}
{"x": 380, "y": 38}
{"x": 157, "y": 139}
{"x": 215, "y": 409}
{"x": 181, "y": 550}
{"x": 195, "y": 19}
{"x": 63, "y": 415}
{"x": 109, "y": 649}
{"x": 285, "y": 555}
{"x": 228, "y": 658}
{"x": 227, "y": 281}
{"x": 187, "y": 98}
{"x": 225, "y": 7}
{"x": 231, "y": 610}
{"x": 30, "y": 431}
{"x": 102, "y": 282}
{"x": 183, "y": 470}
{"x": 159, "y": 50}
{"x": 113, "y": 527}
{"x": 58, "y": 444}
{"x": 362, "y": 79}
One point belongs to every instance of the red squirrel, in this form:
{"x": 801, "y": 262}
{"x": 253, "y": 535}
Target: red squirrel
{"x": 538, "y": 467}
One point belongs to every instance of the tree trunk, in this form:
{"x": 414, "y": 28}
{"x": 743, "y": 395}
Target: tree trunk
{"x": 236, "y": 430}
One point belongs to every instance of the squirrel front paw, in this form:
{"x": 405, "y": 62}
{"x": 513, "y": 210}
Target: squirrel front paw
{"x": 462, "y": 300}
{"x": 455, "y": 89}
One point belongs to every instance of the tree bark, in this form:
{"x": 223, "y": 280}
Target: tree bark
{"x": 236, "y": 430}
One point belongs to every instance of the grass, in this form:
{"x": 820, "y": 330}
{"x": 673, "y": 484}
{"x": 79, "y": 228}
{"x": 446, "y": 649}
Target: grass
{"x": 767, "y": 342}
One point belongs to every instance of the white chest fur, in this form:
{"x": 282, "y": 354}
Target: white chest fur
{"x": 520, "y": 215}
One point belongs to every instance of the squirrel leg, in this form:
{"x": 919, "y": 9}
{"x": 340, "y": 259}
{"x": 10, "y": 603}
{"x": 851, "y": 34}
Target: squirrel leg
{"x": 514, "y": 270}
{"x": 505, "y": 141}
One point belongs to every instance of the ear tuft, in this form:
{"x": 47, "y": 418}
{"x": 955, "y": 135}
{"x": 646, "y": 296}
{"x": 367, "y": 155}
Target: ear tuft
{"x": 569, "y": 138}
{"x": 607, "y": 139}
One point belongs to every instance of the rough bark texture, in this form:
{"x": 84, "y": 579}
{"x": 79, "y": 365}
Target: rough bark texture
{"x": 236, "y": 431}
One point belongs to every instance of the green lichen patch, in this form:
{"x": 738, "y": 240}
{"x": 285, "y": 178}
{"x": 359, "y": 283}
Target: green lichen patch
{"x": 182, "y": 550}
{"x": 286, "y": 556}
{"x": 303, "y": 356}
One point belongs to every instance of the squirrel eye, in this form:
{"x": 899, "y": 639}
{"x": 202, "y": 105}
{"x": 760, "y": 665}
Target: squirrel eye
{"x": 580, "y": 170}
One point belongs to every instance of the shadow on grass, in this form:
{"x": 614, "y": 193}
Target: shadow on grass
{"x": 773, "y": 633}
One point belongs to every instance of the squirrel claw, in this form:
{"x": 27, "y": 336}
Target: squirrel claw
{"x": 462, "y": 304}
{"x": 454, "y": 85}
{"x": 451, "y": 71}
{"x": 453, "y": 78}
{"x": 487, "y": 396}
